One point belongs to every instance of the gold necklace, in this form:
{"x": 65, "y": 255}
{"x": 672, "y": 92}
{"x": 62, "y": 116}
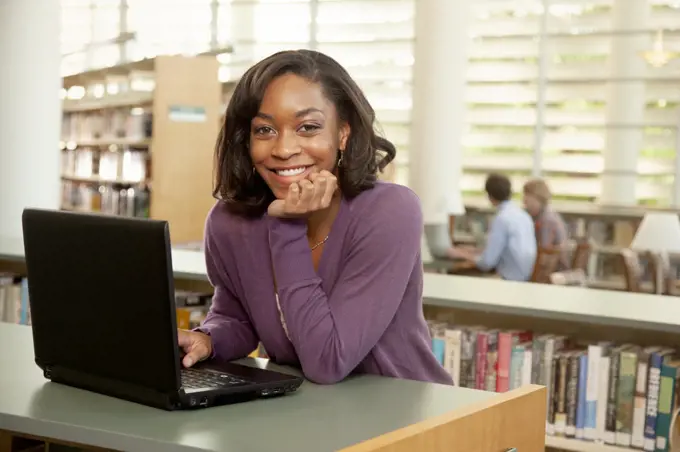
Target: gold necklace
{"x": 319, "y": 244}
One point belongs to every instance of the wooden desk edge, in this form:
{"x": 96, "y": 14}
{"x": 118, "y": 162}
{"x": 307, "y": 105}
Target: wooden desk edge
{"x": 436, "y": 432}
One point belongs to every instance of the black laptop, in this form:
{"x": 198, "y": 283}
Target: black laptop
{"x": 101, "y": 295}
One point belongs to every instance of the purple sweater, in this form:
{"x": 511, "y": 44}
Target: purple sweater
{"x": 361, "y": 312}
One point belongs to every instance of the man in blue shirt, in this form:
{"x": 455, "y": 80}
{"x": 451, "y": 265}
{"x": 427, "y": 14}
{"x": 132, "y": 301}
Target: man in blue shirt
{"x": 511, "y": 241}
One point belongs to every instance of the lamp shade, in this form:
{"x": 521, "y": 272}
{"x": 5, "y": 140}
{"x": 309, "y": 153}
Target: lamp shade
{"x": 659, "y": 231}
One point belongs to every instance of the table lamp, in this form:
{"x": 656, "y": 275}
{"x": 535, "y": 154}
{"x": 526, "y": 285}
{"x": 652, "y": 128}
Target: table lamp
{"x": 659, "y": 233}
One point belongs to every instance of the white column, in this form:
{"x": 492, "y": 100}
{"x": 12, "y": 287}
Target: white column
{"x": 313, "y": 24}
{"x": 676, "y": 173}
{"x": 438, "y": 112}
{"x": 30, "y": 109}
{"x": 625, "y": 102}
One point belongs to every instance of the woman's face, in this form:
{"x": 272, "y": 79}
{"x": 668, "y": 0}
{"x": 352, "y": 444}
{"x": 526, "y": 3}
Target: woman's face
{"x": 532, "y": 204}
{"x": 295, "y": 133}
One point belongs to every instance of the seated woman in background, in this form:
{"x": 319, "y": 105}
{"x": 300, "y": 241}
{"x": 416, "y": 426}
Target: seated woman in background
{"x": 307, "y": 251}
{"x": 551, "y": 232}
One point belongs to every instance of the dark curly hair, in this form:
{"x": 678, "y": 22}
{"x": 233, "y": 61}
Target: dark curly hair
{"x": 242, "y": 189}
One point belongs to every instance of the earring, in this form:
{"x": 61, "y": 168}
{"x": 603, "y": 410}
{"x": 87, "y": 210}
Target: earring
{"x": 253, "y": 169}
{"x": 340, "y": 161}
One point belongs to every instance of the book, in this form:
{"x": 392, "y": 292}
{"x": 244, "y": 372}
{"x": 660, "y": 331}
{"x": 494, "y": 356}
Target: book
{"x": 626, "y": 395}
{"x": 610, "y": 423}
{"x": 573, "y": 361}
{"x": 452, "y": 353}
{"x": 468, "y": 358}
{"x": 656, "y": 361}
{"x": 594, "y": 354}
{"x": 668, "y": 403}
{"x": 561, "y": 360}
{"x": 640, "y": 401}
{"x": 603, "y": 396}
{"x": 581, "y": 404}
{"x": 491, "y": 374}
{"x": 480, "y": 359}
{"x": 506, "y": 342}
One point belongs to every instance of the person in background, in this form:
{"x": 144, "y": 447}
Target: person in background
{"x": 308, "y": 253}
{"x": 550, "y": 230}
{"x": 511, "y": 243}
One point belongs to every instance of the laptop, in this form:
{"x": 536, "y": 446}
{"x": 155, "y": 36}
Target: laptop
{"x": 101, "y": 297}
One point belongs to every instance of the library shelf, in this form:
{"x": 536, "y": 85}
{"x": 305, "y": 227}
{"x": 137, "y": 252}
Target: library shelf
{"x": 489, "y": 295}
{"x": 138, "y": 140}
{"x": 583, "y": 305}
{"x": 577, "y": 445}
{"x": 575, "y": 209}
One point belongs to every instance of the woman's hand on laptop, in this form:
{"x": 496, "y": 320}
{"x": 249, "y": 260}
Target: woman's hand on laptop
{"x": 197, "y": 346}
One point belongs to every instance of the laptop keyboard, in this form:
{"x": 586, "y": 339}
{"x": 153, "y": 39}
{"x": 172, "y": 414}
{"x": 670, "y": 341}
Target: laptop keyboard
{"x": 208, "y": 379}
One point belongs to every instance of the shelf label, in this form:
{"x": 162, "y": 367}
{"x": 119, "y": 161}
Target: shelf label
{"x": 183, "y": 113}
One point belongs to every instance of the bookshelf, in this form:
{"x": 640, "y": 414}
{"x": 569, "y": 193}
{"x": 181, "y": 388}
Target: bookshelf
{"x": 586, "y": 314}
{"x": 138, "y": 140}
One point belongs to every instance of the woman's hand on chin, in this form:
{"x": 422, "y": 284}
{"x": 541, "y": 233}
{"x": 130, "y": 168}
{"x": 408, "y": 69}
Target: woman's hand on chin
{"x": 306, "y": 196}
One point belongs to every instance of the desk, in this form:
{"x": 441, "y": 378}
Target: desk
{"x": 362, "y": 410}
{"x": 454, "y": 267}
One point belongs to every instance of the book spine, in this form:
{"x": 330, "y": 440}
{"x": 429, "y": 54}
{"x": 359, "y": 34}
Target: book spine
{"x": 480, "y": 362}
{"x": 664, "y": 415}
{"x": 516, "y": 366}
{"x": 653, "y": 381}
{"x": 625, "y": 397}
{"x": 505, "y": 347}
{"x": 24, "y": 316}
{"x": 637, "y": 439}
{"x": 562, "y": 364}
{"x": 547, "y": 378}
{"x": 467, "y": 359}
{"x": 452, "y": 350}
{"x": 582, "y": 388}
{"x": 438, "y": 345}
{"x": 592, "y": 386}
{"x": 537, "y": 352}
{"x": 572, "y": 394}
{"x": 527, "y": 366}
{"x": 610, "y": 426}
{"x": 491, "y": 362}
{"x": 602, "y": 396}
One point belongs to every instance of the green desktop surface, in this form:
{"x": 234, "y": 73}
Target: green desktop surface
{"x": 316, "y": 418}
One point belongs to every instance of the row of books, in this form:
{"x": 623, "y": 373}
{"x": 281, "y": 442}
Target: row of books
{"x": 113, "y": 199}
{"x": 191, "y": 307}
{"x": 619, "y": 394}
{"x": 14, "y": 306}
{"x": 125, "y": 164}
{"x": 108, "y": 124}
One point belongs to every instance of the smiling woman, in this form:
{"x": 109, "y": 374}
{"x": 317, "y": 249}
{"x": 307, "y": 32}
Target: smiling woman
{"x": 308, "y": 252}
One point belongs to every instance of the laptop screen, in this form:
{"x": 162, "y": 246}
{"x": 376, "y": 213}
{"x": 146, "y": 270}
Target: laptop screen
{"x": 101, "y": 296}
